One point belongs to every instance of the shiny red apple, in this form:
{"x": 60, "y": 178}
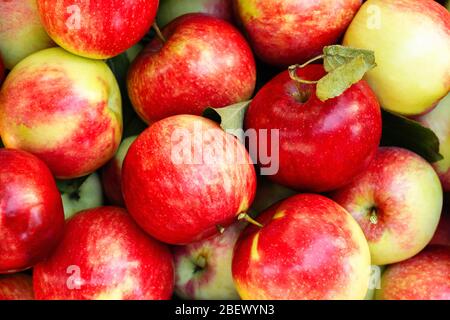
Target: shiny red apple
{"x": 105, "y": 255}
{"x": 426, "y": 276}
{"x": 308, "y": 248}
{"x": 184, "y": 178}
{"x": 204, "y": 62}
{"x": 97, "y": 29}
{"x": 31, "y": 212}
{"x": 16, "y": 287}
{"x": 284, "y": 32}
{"x": 322, "y": 145}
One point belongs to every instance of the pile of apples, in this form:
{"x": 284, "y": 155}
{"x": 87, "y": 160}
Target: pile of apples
{"x": 93, "y": 208}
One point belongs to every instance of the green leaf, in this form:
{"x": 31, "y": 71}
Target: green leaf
{"x": 399, "y": 131}
{"x": 343, "y": 76}
{"x": 336, "y": 56}
{"x": 230, "y": 118}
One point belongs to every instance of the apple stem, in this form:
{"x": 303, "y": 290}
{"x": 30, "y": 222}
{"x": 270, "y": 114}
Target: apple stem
{"x": 293, "y": 70}
{"x": 159, "y": 33}
{"x": 200, "y": 262}
{"x": 246, "y": 217}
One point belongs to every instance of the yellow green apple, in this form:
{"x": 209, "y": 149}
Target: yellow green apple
{"x": 411, "y": 40}
{"x": 21, "y": 31}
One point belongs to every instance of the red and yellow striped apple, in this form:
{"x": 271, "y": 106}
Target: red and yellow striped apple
{"x": 105, "y": 255}
{"x": 169, "y": 10}
{"x": 21, "y": 31}
{"x": 203, "y": 269}
{"x": 184, "y": 178}
{"x": 284, "y": 32}
{"x": 438, "y": 120}
{"x": 112, "y": 174}
{"x": 411, "y": 40}
{"x": 322, "y": 145}
{"x": 97, "y": 29}
{"x": 309, "y": 248}
{"x": 31, "y": 212}
{"x": 397, "y": 202}
{"x": 63, "y": 108}
{"x": 423, "y": 277}
{"x": 205, "y": 62}
{"x": 16, "y": 287}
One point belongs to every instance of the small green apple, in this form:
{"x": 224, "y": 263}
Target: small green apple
{"x": 80, "y": 194}
{"x": 171, "y": 9}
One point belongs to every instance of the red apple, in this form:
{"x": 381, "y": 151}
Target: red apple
{"x": 63, "y": 108}
{"x": 31, "y": 212}
{"x": 442, "y": 234}
{"x": 204, "y": 62}
{"x": 105, "y": 255}
{"x": 16, "y": 287}
{"x": 112, "y": 174}
{"x": 322, "y": 145}
{"x": 309, "y": 248}
{"x": 97, "y": 29}
{"x": 184, "y": 178}
{"x": 21, "y": 31}
{"x": 170, "y": 9}
{"x": 423, "y": 277}
{"x": 397, "y": 201}
{"x": 284, "y": 32}
{"x": 203, "y": 269}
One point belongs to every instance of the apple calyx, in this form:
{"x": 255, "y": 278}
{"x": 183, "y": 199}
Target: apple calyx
{"x": 159, "y": 33}
{"x": 345, "y": 66}
{"x": 71, "y": 187}
{"x": 246, "y": 217}
{"x": 373, "y": 215}
{"x": 220, "y": 229}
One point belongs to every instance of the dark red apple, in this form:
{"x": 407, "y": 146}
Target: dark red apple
{"x": 97, "y": 29}
{"x": 16, "y": 287}
{"x": 425, "y": 276}
{"x": 2, "y": 70}
{"x": 322, "y": 145}
{"x": 204, "y": 62}
{"x": 112, "y": 174}
{"x": 309, "y": 248}
{"x": 284, "y": 32}
{"x": 105, "y": 255}
{"x": 184, "y": 178}
{"x": 31, "y": 211}
{"x": 442, "y": 234}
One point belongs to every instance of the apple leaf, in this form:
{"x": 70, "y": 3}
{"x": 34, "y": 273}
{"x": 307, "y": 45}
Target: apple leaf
{"x": 337, "y": 56}
{"x": 399, "y": 131}
{"x": 230, "y": 118}
{"x": 345, "y": 67}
